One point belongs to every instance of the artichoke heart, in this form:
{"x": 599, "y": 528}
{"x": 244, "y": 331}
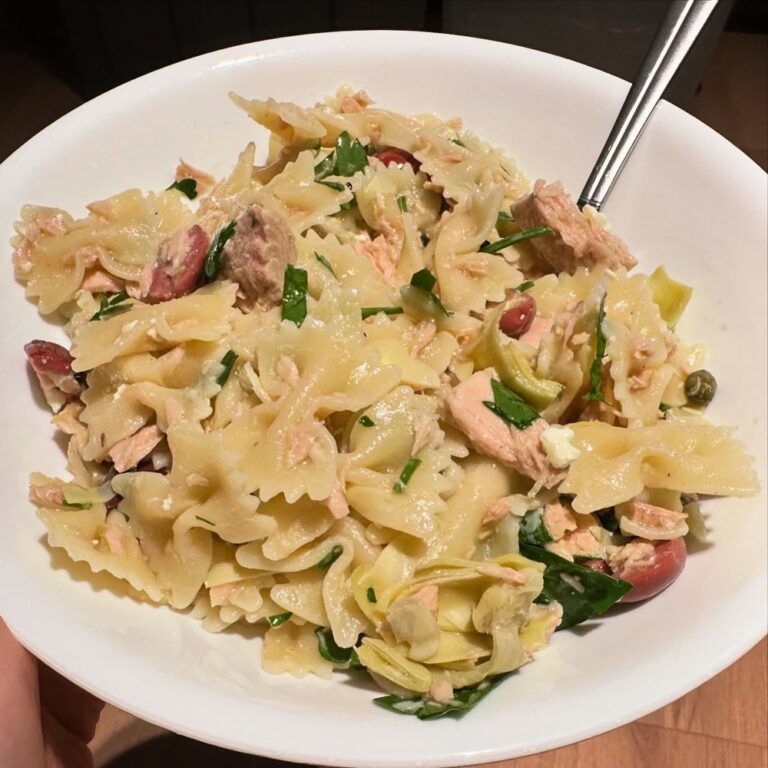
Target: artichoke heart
{"x": 495, "y": 350}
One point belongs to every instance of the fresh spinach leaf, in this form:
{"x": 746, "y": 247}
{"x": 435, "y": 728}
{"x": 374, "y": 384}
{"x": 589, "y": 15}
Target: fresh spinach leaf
{"x": 187, "y": 187}
{"x": 213, "y": 257}
{"x": 582, "y": 592}
{"x": 294, "y": 295}
{"x": 341, "y": 658}
{"x": 227, "y": 361}
{"x": 425, "y": 281}
{"x": 510, "y": 407}
{"x": 596, "y": 369}
{"x": 463, "y": 700}
{"x": 533, "y": 530}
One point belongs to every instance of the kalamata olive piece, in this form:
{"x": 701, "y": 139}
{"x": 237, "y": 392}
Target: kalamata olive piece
{"x": 700, "y": 387}
{"x": 180, "y": 263}
{"x": 517, "y": 319}
{"x": 48, "y": 358}
{"x": 398, "y": 156}
{"x": 650, "y": 575}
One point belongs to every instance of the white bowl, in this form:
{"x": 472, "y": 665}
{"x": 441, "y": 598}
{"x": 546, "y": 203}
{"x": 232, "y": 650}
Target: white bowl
{"x": 687, "y": 199}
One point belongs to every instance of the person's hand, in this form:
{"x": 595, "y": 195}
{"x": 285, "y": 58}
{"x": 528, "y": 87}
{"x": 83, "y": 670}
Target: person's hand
{"x": 47, "y": 721}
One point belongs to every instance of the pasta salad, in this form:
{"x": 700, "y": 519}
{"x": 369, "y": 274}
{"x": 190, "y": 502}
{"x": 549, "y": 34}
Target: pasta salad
{"x": 380, "y": 394}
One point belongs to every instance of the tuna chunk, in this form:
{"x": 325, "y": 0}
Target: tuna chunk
{"x": 52, "y": 365}
{"x": 579, "y": 240}
{"x": 520, "y": 449}
{"x": 129, "y": 452}
{"x": 383, "y": 257}
{"x": 256, "y": 256}
{"x": 180, "y": 263}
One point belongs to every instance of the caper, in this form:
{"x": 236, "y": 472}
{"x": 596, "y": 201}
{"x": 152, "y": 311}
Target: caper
{"x": 700, "y": 387}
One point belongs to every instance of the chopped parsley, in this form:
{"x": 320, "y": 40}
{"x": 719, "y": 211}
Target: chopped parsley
{"x": 366, "y": 421}
{"x": 335, "y": 185}
{"x": 112, "y": 306}
{"x": 213, "y": 257}
{"x": 228, "y": 362}
{"x": 664, "y": 407}
{"x": 523, "y": 287}
{"x": 425, "y": 281}
{"x": 187, "y": 187}
{"x": 325, "y": 262}
{"x": 370, "y": 311}
{"x": 371, "y": 595}
{"x": 406, "y": 475}
{"x": 294, "y": 295}
{"x": 349, "y": 157}
{"x": 504, "y": 216}
{"x": 279, "y": 618}
{"x": 402, "y": 204}
{"x": 330, "y": 558}
{"x": 510, "y": 407}
{"x": 596, "y": 370}
{"x": 518, "y": 237}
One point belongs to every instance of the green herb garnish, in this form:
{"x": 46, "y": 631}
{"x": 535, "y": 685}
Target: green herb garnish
{"x": 508, "y": 405}
{"x": 370, "y": 593}
{"x": 664, "y": 407}
{"x": 294, "y": 295}
{"x": 335, "y": 185}
{"x": 213, "y": 257}
{"x": 349, "y": 157}
{"x": 402, "y": 204}
{"x": 533, "y": 530}
{"x": 228, "y": 362}
{"x": 406, "y": 475}
{"x": 342, "y": 658}
{"x": 111, "y": 306}
{"x": 279, "y": 618}
{"x": 596, "y": 369}
{"x": 504, "y": 216}
{"x": 425, "y": 281}
{"x": 367, "y": 421}
{"x": 325, "y": 262}
{"x": 330, "y": 558}
{"x": 187, "y": 187}
{"x": 523, "y": 287}
{"x": 592, "y": 594}
{"x": 370, "y": 311}
{"x": 205, "y": 520}
{"x": 427, "y": 709}
{"x": 518, "y": 237}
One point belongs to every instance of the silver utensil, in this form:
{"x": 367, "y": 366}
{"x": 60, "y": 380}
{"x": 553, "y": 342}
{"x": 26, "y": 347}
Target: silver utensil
{"x": 678, "y": 31}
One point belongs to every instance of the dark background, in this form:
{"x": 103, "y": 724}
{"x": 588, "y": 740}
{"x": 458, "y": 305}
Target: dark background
{"x": 94, "y": 45}
{"x": 55, "y": 54}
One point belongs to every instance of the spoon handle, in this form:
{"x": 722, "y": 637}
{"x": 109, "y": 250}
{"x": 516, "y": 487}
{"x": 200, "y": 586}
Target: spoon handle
{"x": 677, "y": 33}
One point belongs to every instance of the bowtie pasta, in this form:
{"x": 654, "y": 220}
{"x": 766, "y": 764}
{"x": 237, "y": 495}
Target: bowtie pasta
{"x": 380, "y": 394}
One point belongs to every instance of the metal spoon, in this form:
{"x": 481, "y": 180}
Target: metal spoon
{"x": 678, "y": 31}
